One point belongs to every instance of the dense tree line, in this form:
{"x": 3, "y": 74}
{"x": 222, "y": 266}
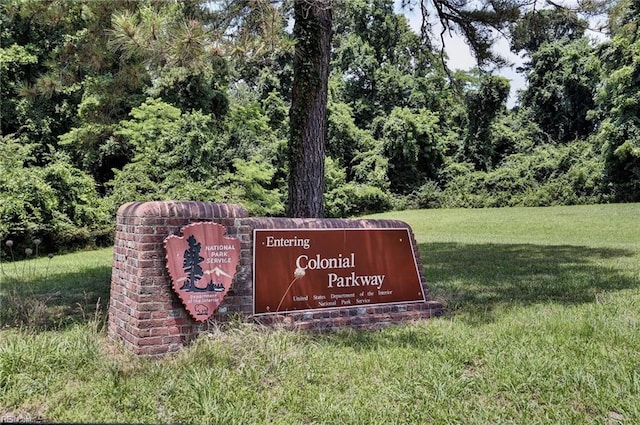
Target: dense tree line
{"x": 108, "y": 102}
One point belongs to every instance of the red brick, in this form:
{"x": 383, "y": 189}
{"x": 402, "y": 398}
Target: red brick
{"x": 155, "y": 340}
{"x": 149, "y": 238}
{"x": 150, "y": 306}
{"x": 140, "y": 275}
{"x": 172, "y": 339}
{"x": 163, "y": 331}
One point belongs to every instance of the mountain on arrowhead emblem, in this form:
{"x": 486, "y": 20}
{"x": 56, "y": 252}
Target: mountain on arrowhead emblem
{"x": 201, "y": 264}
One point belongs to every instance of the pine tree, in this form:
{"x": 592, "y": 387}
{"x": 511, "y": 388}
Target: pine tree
{"x": 191, "y": 264}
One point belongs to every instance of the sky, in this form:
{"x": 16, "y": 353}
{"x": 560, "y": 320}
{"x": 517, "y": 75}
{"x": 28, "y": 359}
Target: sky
{"x": 461, "y": 58}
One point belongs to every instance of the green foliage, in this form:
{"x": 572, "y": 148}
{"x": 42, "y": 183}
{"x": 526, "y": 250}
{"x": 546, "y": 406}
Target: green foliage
{"x": 334, "y": 175}
{"x": 276, "y": 110}
{"x": 163, "y": 36}
{"x": 167, "y": 148}
{"x": 55, "y": 202}
{"x": 79, "y": 216}
{"x": 76, "y": 87}
{"x": 371, "y": 166}
{"x": 14, "y": 63}
{"x": 549, "y": 175}
{"x": 256, "y": 42}
{"x": 249, "y": 184}
{"x": 348, "y": 199}
{"x": 413, "y": 146}
{"x": 193, "y": 156}
{"x": 561, "y": 89}
{"x": 429, "y": 195}
{"x": 539, "y": 27}
{"x": 353, "y": 199}
{"x": 345, "y": 141}
{"x": 379, "y": 63}
{"x": 483, "y": 105}
{"x": 618, "y": 104}
{"x": 190, "y": 100}
{"x": 513, "y": 133}
{"x": 27, "y": 201}
{"x": 34, "y": 106}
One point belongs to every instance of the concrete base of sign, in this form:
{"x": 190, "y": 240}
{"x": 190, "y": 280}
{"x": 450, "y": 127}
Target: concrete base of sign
{"x": 148, "y": 318}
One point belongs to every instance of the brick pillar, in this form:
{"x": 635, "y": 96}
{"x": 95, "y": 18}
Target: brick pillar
{"x": 144, "y": 313}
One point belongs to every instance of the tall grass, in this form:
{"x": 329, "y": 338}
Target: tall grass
{"x": 542, "y": 328}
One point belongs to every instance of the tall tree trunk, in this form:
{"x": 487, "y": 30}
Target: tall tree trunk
{"x": 308, "y": 114}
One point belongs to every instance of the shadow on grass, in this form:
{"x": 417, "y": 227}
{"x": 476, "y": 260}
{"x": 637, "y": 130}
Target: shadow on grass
{"x": 39, "y": 303}
{"x": 477, "y": 282}
{"x": 476, "y": 278}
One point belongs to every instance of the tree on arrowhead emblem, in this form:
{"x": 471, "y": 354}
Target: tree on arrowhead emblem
{"x": 191, "y": 264}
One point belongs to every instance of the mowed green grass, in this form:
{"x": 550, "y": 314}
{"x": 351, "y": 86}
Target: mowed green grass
{"x": 542, "y": 327}
{"x": 55, "y": 293}
{"x": 505, "y": 257}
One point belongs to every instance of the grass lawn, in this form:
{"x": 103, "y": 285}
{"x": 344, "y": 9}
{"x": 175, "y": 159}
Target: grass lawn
{"x": 542, "y": 327}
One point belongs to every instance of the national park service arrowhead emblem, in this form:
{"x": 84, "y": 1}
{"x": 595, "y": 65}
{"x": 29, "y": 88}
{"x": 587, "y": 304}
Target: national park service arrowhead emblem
{"x": 202, "y": 263}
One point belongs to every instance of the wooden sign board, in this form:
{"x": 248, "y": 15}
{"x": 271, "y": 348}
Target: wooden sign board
{"x": 202, "y": 263}
{"x": 310, "y": 269}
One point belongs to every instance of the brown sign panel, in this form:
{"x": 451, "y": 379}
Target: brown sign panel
{"x": 308, "y": 269}
{"x": 202, "y": 264}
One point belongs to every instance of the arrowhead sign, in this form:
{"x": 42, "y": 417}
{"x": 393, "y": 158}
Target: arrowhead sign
{"x": 202, "y": 263}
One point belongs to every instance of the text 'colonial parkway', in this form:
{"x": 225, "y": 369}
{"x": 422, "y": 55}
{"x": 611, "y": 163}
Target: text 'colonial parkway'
{"x": 330, "y": 268}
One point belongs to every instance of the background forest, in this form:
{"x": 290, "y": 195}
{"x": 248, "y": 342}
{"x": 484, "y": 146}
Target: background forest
{"x": 106, "y": 102}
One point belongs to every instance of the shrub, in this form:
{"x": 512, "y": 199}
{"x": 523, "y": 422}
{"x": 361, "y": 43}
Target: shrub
{"x": 56, "y": 201}
{"x": 354, "y": 199}
{"x": 413, "y": 145}
{"x": 550, "y": 175}
{"x": 429, "y": 195}
{"x": 194, "y": 156}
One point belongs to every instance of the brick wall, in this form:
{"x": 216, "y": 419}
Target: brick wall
{"x": 148, "y": 318}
